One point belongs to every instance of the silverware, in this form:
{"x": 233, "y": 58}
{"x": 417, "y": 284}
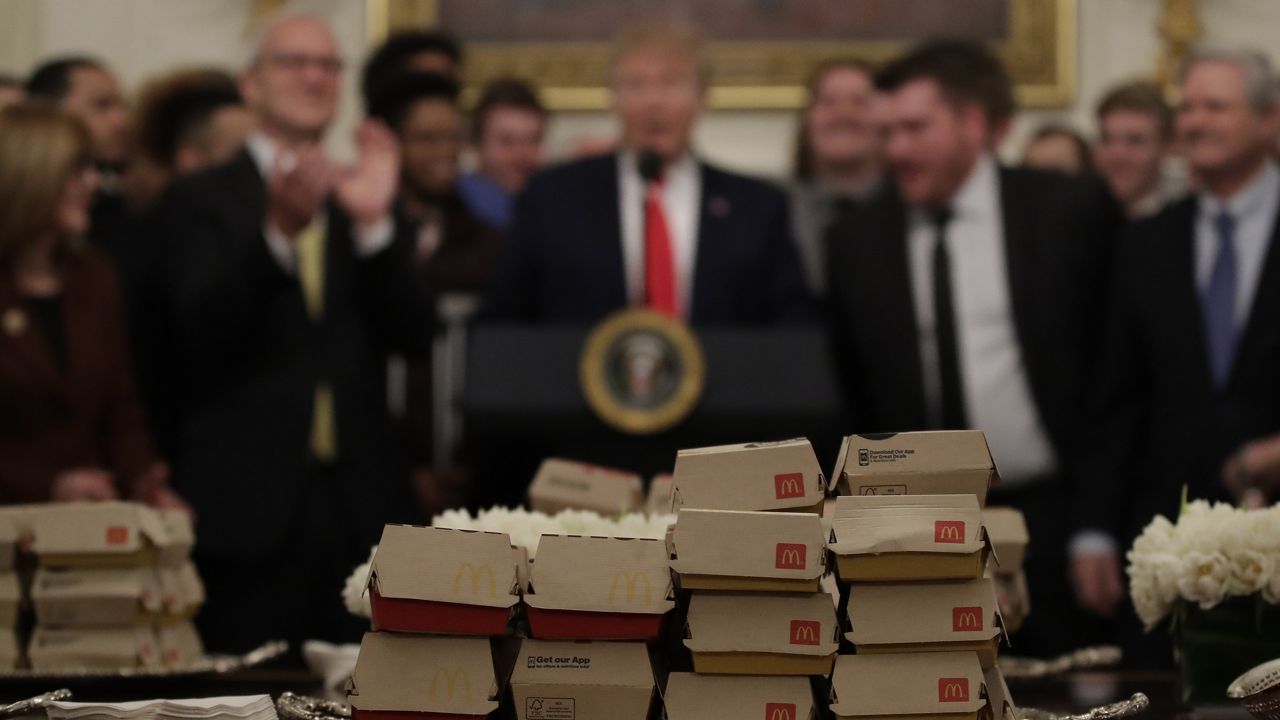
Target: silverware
{"x": 35, "y": 705}
{"x": 301, "y": 707}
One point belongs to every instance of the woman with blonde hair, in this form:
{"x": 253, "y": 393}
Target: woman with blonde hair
{"x": 71, "y": 427}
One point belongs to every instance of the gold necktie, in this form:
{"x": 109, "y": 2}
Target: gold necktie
{"x": 310, "y": 249}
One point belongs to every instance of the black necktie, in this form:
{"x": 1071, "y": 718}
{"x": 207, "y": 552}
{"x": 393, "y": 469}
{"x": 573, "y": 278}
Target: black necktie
{"x": 951, "y": 388}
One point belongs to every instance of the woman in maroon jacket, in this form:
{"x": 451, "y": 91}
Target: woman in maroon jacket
{"x": 71, "y": 427}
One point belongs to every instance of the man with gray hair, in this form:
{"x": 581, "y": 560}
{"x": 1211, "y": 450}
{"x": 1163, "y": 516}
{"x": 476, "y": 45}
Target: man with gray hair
{"x": 1189, "y": 366}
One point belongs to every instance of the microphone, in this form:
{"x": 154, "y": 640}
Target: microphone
{"x": 650, "y": 165}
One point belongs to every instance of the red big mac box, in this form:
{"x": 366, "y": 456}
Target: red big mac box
{"x": 781, "y": 475}
{"x": 414, "y": 677}
{"x": 436, "y": 580}
{"x": 597, "y": 588}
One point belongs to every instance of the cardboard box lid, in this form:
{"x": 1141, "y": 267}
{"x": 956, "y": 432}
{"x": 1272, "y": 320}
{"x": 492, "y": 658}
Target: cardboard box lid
{"x": 923, "y": 613}
{"x": 784, "y": 623}
{"x": 611, "y": 664}
{"x": 597, "y": 574}
{"x": 691, "y": 696}
{"x": 748, "y": 544}
{"x": 949, "y": 524}
{"x": 911, "y": 463}
{"x": 423, "y": 673}
{"x": 142, "y": 584}
{"x": 95, "y": 528}
{"x": 751, "y": 476}
{"x": 1002, "y": 705}
{"x": 563, "y": 483}
{"x": 442, "y": 565}
{"x": 1007, "y": 529}
{"x": 907, "y": 684}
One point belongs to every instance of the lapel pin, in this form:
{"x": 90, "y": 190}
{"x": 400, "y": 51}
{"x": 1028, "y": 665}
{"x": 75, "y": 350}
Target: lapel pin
{"x": 719, "y": 207}
{"x": 14, "y": 321}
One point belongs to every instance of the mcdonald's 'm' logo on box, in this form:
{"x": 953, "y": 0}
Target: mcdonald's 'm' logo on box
{"x": 780, "y": 711}
{"x": 966, "y": 619}
{"x": 950, "y": 532}
{"x": 789, "y": 556}
{"x": 953, "y": 690}
{"x": 476, "y": 574}
{"x": 452, "y": 679}
{"x": 805, "y": 632}
{"x": 117, "y": 535}
{"x": 788, "y": 485}
{"x": 631, "y": 583}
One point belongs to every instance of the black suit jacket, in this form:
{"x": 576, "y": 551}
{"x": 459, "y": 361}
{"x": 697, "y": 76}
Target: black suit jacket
{"x": 253, "y": 358}
{"x": 1158, "y": 422}
{"x": 563, "y": 262}
{"x": 1057, "y": 234}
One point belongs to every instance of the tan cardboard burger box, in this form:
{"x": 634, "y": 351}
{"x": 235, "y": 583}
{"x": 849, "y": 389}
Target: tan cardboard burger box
{"x": 916, "y": 463}
{"x": 179, "y": 538}
{"x": 422, "y": 677}
{"x": 9, "y": 532}
{"x": 10, "y": 653}
{"x": 910, "y": 686}
{"x": 1009, "y": 536}
{"x": 748, "y": 551}
{"x": 73, "y": 598}
{"x": 568, "y": 485}
{"x": 182, "y": 591}
{"x": 658, "y": 501}
{"x": 762, "y": 633}
{"x": 180, "y": 644}
{"x": 696, "y": 697}
{"x": 909, "y": 538}
{"x": 97, "y": 535}
{"x": 755, "y": 476}
{"x": 436, "y": 580}
{"x": 582, "y": 681}
{"x": 10, "y": 600}
{"x": 596, "y": 588}
{"x": 53, "y": 649}
{"x": 1013, "y": 597}
{"x": 999, "y": 701}
{"x": 925, "y": 617}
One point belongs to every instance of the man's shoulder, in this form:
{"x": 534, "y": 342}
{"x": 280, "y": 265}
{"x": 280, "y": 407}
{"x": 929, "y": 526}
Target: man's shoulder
{"x": 212, "y": 185}
{"x": 581, "y": 171}
{"x": 1176, "y": 217}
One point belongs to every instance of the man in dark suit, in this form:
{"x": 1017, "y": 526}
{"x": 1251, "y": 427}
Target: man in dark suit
{"x": 968, "y": 296}
{"x": 289, "y": 287}
{"x": 1191, "y": 370}
{"x": 651, "y": 225}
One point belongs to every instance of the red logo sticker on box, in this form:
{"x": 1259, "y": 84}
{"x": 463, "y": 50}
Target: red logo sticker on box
{"x": 953, "y": 690}
{"x": 117, "y": 535}
{"x": 789, "y": 556}
{"x": 780, "y": 711}
{"x": 805, "y": 632}
{"x": 788, "y": 485}
{"x": 966, "y": 619}
{"x": 950, "y": 532}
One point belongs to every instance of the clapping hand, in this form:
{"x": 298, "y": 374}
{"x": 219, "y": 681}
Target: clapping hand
{"x": 367, "y": 189}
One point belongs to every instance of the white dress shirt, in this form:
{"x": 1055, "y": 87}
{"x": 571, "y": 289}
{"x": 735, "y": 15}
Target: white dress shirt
{"x": 681, "y": 201}
{"x": 1254, "y": 209}
{"x": 369, "y": 242}
{"x": 997, "y": 394}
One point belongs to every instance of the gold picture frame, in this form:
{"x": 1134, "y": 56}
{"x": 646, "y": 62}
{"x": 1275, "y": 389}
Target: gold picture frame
{"x": 1041, "y": 54}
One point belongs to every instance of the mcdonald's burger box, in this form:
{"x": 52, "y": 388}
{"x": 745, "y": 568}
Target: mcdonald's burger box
{"x": 1013, "y": 597}
{"x": 998, "y": 698}
{"x": 97, "y": 535}
{"x": 757, "y": 476}
{"x": 180, "y": 644}
{"x": 436, "y": 580}
{"x": 416, "y": 677}
{"x": 914, "y": 686}
{"x": 74, "y": 598}
{"x": 762, "y": 633}
{"x": 582, "y": 681}
{"x": 748, "y": 551}
{"x": 54, "y": 649}
{"x": 1009, "y": 536}
{"x": 568, "y": 485}
{"x": 909, "y": 538}
{"x": 10, "y": 600}
{"x": 182, "y": 591}
{"x": 925, "y": 617}
{"x": 916, "y": 463}
{"x": 179, "y": 539}
{"x": 596, "y": 588}
{"x": 697, "y": 697}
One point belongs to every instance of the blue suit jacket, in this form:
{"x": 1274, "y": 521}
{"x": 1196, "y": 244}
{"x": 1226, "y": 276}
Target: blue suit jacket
{"x": 563, "y": 262}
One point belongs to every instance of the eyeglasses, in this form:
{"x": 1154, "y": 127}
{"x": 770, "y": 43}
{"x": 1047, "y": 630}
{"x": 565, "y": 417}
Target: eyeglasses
{"x": 297, "y": 62}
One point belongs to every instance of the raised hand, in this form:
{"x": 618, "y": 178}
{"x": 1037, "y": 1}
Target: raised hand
{"x": 297, "y": 189}
{"x": 367, "y": 189}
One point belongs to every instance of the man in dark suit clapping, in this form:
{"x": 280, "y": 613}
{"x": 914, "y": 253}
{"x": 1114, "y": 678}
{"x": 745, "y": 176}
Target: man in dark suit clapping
{"x": 289, "y": 288}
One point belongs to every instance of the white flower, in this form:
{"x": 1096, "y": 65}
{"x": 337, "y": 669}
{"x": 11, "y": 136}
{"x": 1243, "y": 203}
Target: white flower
{"x": 1251, "y": 571}
{"x": 353, "y": 595}
{"x": 1150, "y": 606}
{"x": 1204, "y": 578}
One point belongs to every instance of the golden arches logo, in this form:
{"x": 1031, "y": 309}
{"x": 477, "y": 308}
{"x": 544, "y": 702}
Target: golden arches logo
{"x": 476, "y": 574}
{"x": 949, "y": 532}
{"x": 780, "y": 711}
{"x": 630, "y": 581}
{"x": 451, "y": 681}
{"x": 966, "y": 619}
{"x": 953, "y": 689}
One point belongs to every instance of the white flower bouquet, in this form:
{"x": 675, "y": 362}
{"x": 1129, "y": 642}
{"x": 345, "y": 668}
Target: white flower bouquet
{"x": 1213, "y": 552}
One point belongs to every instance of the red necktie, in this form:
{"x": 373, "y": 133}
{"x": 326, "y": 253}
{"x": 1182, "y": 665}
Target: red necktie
{"x": 660, "y": 270}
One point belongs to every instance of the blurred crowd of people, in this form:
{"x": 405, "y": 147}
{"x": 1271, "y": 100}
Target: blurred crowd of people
{"x": 200, "y": 308}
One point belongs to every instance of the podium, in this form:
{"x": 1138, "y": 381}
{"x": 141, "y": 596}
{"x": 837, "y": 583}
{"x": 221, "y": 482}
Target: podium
{"x": 521, "y": 401}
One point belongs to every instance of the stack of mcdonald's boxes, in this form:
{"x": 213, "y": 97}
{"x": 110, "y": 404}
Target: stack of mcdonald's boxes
{"x": 749, "y": 553}
{"x": 114, "y": 587}
{"x": 911, "y": 549}
{"x": 438, "y": 598}
{"x": 10, "y": 595}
